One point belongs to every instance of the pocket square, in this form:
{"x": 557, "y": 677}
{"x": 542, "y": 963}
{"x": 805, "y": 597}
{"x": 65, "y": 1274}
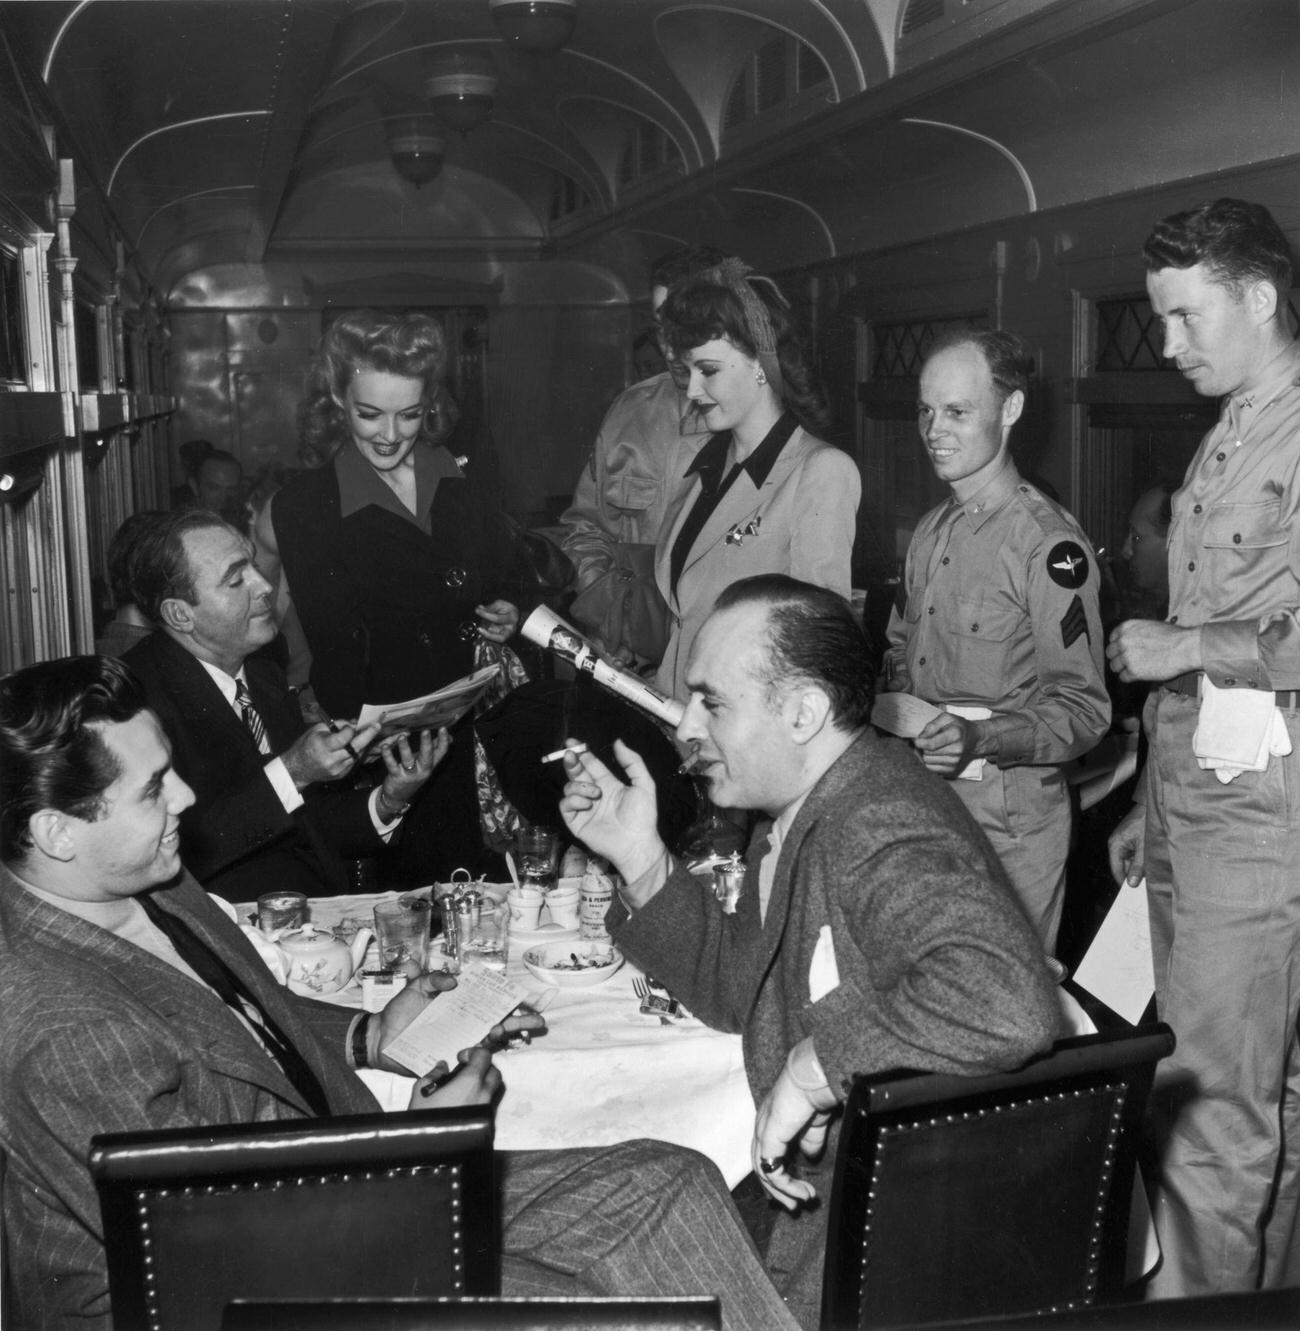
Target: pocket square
{"x": 823, "y": 973}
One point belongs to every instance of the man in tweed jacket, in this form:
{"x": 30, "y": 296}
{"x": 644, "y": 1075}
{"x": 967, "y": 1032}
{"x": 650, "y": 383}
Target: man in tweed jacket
{"x": 104, "y": 1028}
{"x": 876, "y": 929}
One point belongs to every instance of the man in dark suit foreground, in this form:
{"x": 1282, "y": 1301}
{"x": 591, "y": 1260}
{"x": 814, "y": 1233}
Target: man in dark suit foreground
{"x": 263, "y": 815}
{"x": 105, "y": 1026}
{"x": 876, "y": 929}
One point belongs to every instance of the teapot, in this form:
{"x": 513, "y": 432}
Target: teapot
{"x": 316, "y": 962}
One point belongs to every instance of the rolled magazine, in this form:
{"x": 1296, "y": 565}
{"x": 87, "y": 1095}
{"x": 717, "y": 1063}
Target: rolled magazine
{"x": 547, "y": 629}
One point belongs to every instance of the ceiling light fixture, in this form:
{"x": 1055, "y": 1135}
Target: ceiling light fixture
{"x": 415, "y": 147}
{"x": 535, "y": 25}
{"x": 461, "y": 90}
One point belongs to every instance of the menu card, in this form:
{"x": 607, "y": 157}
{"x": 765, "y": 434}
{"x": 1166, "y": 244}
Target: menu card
{"x": 457, "y": 1019}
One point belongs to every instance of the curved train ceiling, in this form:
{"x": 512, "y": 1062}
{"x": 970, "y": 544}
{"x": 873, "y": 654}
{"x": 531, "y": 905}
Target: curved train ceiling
{"x": 235, "y": 137}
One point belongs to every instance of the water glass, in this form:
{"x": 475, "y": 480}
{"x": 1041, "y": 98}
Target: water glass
{"x": 402, "y": 931}
{"x": 281, "y": 910}
{"x": 538, "y": 851}
{"x": 484, "y": 936}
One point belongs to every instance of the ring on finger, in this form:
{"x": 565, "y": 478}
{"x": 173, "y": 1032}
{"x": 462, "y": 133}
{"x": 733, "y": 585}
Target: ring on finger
{"x": 768, "y": 1166}
{"x": 409, "y": 767}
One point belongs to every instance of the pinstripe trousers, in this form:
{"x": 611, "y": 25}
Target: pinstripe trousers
{"x": 641, "y": 1218}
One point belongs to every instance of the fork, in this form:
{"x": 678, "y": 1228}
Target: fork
{"x": 642, "y": 990}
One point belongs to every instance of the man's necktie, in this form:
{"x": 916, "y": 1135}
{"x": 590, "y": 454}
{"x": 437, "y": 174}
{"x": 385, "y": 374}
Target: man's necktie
{"x": 251, "y": 717}
{"x": 219, "y": 977}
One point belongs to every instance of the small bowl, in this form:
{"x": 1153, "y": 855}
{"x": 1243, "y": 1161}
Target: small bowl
{"x": 553, "y": 963}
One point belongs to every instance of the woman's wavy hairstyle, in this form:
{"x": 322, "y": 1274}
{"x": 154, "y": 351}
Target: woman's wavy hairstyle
{"x": 408, "y": 344}
{"x": 699, "y": 310}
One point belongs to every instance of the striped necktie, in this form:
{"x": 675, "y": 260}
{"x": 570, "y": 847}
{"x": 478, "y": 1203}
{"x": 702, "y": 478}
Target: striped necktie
{"x": 251, "y": 718}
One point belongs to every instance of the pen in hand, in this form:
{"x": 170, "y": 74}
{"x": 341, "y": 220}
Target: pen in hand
{"x": 334, "y": 728}
{"x": 438, "y": 1082}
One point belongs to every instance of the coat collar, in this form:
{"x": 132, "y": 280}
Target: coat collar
{"x": 738, "y": 507}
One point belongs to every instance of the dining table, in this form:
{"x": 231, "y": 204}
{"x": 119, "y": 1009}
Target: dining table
{"x": 603, "y": 1072}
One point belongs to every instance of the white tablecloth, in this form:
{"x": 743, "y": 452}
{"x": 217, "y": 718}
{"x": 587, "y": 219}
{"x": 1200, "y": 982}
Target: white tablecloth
{"x": 602, "y": 1073}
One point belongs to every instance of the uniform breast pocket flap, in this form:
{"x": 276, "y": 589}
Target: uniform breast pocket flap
{"x": 984, "y": 622}
{"x": 1244, "y": 526}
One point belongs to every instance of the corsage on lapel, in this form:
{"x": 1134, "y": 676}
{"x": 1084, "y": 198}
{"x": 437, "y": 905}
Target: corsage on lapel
{"x": 737, "y": 533}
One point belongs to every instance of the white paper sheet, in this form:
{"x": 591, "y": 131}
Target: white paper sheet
{"x": 456, "y": 1020}
{"x": 903, "y": 714}
{"x": 1117, "y": 968}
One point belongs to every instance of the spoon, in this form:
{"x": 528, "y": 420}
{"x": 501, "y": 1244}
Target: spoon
{"x": 510, "y": 865}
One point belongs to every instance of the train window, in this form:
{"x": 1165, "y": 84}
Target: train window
{"x": 13, "y": 358}
{"x": 646, "y": 150}
{"x": 1129, "y": 336}
{"x": 87, "y": 335}
{"x": 897, "y": 349}
{"x": 774, "y": 76}
{"x": 567, "y": 198}
{"x": 131, "y": 349}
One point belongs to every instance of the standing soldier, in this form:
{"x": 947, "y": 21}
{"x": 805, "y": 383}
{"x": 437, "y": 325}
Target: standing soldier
{"x": 1217, "y": 828}
{"x": 1000, "y": 626}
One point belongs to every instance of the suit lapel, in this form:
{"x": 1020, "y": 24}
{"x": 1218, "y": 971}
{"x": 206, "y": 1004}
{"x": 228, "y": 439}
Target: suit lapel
{"x": 744, "y": 502}
{"x": 217, "y": 1037}
{"x": 200, "y": 702}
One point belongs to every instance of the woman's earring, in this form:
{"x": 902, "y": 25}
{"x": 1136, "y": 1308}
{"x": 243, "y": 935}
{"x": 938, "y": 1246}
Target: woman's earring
{"x": 759, "y": 377}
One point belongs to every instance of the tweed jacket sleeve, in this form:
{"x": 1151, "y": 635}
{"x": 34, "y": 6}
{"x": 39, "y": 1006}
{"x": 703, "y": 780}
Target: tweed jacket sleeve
{"x": 935, "y": 966}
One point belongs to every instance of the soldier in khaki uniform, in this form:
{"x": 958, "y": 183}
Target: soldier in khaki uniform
{"x": 998, "y": 622}
{"x": 1216, "y": 833}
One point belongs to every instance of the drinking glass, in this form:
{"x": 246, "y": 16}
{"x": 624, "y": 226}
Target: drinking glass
{"x": 486, "y": 940}
{"x": 538, "y": 851}
{"x": 402, "y": 931}
{"x": 281, "y": 910}
{"x": 712, "y": 836}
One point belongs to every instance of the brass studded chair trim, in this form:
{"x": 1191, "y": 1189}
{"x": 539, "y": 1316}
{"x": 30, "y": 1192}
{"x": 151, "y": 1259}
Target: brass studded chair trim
{"x": 963, "y": 1197}
{"x": 372, "y": 1205}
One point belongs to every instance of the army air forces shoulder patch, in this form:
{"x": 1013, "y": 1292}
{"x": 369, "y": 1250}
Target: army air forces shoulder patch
{"x": 1067, "y": 565}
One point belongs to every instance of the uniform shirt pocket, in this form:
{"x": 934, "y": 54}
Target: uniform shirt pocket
{"x": 1244, "y": 526}
{"x": 983, "y": 632}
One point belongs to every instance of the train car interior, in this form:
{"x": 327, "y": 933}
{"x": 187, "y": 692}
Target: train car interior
{"x": 193, "y": 191}
{"x": 189, "y": 189}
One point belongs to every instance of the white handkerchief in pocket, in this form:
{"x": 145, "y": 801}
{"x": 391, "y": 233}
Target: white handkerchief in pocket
{"x": 1237, "y": 730}
{"x": 823, "y": 973}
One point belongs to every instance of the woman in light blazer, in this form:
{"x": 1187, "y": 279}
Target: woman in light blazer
{"x": 766, "y": 495}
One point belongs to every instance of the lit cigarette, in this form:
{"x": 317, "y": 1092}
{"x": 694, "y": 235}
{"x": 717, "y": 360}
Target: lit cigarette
{"x": 558, "y": 754}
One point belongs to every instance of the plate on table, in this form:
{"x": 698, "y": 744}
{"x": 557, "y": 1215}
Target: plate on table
{"x": 575, "y": 964}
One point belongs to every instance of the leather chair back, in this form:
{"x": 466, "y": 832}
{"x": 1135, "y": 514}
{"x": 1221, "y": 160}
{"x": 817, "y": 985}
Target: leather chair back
{"x": 370, "y": 1205}
{"x": 471, "y": 1314}
{"x": 966, "y": 1197}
